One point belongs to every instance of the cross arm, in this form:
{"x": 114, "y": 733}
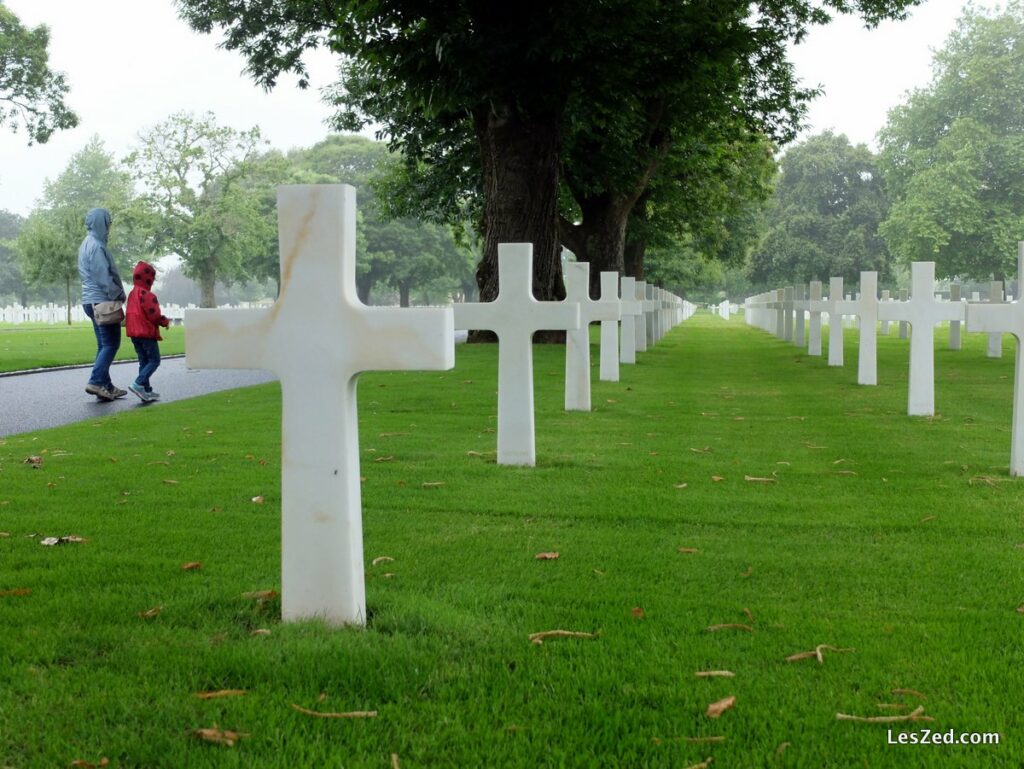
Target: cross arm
{"x": 228, "y": 338}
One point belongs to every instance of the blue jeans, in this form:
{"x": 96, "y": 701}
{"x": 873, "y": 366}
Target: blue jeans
{"x": 108, "y": 342}
{"x": 148, "y": 351}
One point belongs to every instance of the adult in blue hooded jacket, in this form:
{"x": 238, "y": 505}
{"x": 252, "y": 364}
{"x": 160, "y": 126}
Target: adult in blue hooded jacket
{"x": 100, "y": 283}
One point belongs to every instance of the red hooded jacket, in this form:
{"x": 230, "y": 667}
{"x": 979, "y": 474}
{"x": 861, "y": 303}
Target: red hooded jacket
{"x": 143, "y": 317}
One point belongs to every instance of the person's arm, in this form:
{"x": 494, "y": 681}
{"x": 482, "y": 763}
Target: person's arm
{"x": 159, "y": 316}
{"x": 103, "y": 274}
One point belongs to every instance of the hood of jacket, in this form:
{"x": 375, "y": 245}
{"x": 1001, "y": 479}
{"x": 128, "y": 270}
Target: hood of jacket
{"x": 97, "y": 222}
{"x": 143, "y": 275}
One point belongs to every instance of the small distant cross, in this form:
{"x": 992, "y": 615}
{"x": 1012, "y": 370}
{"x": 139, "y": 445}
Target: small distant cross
{"x": 865, "y": 307}
{"x": 609, "y": 368}
{"x": 815, "y": 307}
{"x": 632, "y": 315}
{"x": 577, "y": 341}
{"x": 835, "y": 322}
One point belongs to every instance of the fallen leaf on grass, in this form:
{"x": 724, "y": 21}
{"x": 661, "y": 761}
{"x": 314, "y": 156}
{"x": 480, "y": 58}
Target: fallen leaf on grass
{"x": 547, "y": 556}
{"x": 192, "y": 566}
{"x": 731, "y": 626}
{"x": 915, "y": 715}
{"x": 4, "y": 534}
{"x": 748, "y": 572}
{"x": 383, "y": 459}
{"x": 150, "y": 613}
{"x": 391, "y": 435}
{"x": 69, "y": 539}
{"x": 688, "y": 550}
{"x": 171, "y": 482}
{"x": 816, "y": 653}
{"x": 717, "y": 478}
{"x": 709, "y": 413}
{"x": 1020, "y": 609}
{"x": 165, "y": 464}
{"x": 679, "y": 485}
{"x": 15, "y": 591}
{"x": 812, "y": 446}
{"x": 715, "y": 674}
{"x": 218, "y": 736}
{"x": 353, "y": 714}
{"x": 840, "y": 461}
{"x": 220, "y": 693}
{"x": 750, "y": 614}
{"x": 257, "y": 500}
{"x": 846, "y": 472}
{"x": 781, "y": 749}
{"x": 261, "y": 595}
{"x": 432, "y": 484}
{"x": 703, "y": 764}
{"x": 83, "y": 764}
{"x": 705, "y": 450}
{"x": 909, "y": 693}
{"x": 539, "y": 638}
{"x": 260, "y": 631}
{"x": 928, "y": 518}
{"x": 34, "y": 462}
{"x": 473, "y": 454}
{"x": 715, "y": 709}
{"x": 759, "y": 480}
{"x": 988, "y": 480}
{"x": 381, "y": 559}
{"x": 394, "y": 761}
{"x": 637, "y": 612}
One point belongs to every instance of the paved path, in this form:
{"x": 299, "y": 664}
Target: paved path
{"x": 51, "y": 398}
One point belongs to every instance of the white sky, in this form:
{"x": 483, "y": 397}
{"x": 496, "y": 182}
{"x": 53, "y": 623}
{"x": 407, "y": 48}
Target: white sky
{"x": 132, "y": 63}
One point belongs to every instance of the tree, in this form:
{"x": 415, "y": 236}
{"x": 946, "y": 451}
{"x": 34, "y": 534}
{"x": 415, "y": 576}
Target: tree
{"x": 953, "y": 154}
{"x": 12, "y": 283}
{"x": 197, "y": 202}
{"x": 824, "y": 217}
{"x": 515, "y": 72}
{"x": 31, "y": 94}
{"x": 48, "y": 242}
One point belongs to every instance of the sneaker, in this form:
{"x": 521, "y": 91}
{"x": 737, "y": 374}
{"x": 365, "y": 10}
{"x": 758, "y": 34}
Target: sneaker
{"x": 152, "y": 395}
{"x": 138, "y": 390}
{"x": 118, "y": 392}
{"x": 94, "y": 389}
{"x": 103, "y": 393}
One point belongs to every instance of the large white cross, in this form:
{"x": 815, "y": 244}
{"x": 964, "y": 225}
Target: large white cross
{"x": 317, "y": 337}
{"x": 815, "y": 307}
{"x": 835, "y": 322}
{"x": 632, "y": 314}
{"x": 922, "y": 311}
{"x": 515, "y": 316}
{"x": 1008, "y": 319}
{"x": 995, "y": 341}
{"x": 865, "y": 307}
{"x": 577, "y": 341}
{"x": 609, "y": 368}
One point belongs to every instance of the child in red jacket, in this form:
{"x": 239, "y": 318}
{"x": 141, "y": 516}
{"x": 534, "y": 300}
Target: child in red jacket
{"x": 143, "y": 319}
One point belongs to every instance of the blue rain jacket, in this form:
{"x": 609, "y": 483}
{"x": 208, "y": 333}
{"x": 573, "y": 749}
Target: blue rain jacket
{"x": 100, "y": 281}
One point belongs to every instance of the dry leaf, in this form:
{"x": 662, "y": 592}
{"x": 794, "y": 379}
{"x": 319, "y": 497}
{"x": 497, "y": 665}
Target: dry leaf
{"x": 34, "y": 462}
{"x": 717, "y": 478}
{"x": 257, "y": 500}
{"x": 748, "y": 572}
{"x": 353, "y": 714}
{"x": 816, "y": 654}
{"x": 705, "y": 450}
{"x": 394, "y": 761}
{"x": 220, "y": 693}
{"x": 611, "y": 400}
{"x": 840, "y": 461}
{"x": 191, "y": 566}
{"x": 749, "y": 614}
{"x": 731, "y": 626}
{"x": 715, "y": 674}
{"x": 172, "y": 453}
{"x": 759, "y": 480}
{"x": 812, "y": 446}
{"x": 715, "y": 709}
{"x": 928, "y": 518}
{"x": 679, "y": 486}
{"x": 781, "y": 749}
{"x": 845, "y": 472}
{"x": 703, "y": 764}
{"x": 637, "y": 612}
{"x": 709, "y": 413}
{"x": 547, "y": 556}
{"x": 381, "y": 559}
{"x": 170, "y": 482}
{"x": 261, "y": 595}
{"x": 473, "y": 454}
{"x": 69, "y": 539}
{"x": 15, "y": 591}
{"x": 4, "y": 534}
{"x": 539, "y": 638}
{"x": 391, "y": 435}
{"x": 82, "y": 764}
{"x": 383, "y": 459}
{"x": 908, "y": 692}
{"x": 688, "y": 550}
{"x": 165, "y": 464}
{"x": 150, "y": 613}
{"x": 218, "y": 736}
{"x": 738, "y": 419}
{"x": 915, "y": 715}
{"x": 260, "y": 631}
{"x": 433, "y": 484}
{"x": 1020, "y": 609}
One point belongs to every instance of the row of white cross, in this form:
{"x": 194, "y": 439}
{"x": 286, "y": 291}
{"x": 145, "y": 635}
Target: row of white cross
{"x": 318, "y": 337}
{"x": 782, "y": 310}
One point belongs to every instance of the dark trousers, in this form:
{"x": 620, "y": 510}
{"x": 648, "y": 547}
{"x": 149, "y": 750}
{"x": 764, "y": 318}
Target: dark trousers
{"x": 108, "y": 341}
{"x": 148, "y": 351}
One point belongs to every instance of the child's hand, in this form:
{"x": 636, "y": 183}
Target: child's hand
{"x": 165, "y": 322}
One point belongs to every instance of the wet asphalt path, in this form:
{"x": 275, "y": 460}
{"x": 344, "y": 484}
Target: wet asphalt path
{"x": 39, "y": 400}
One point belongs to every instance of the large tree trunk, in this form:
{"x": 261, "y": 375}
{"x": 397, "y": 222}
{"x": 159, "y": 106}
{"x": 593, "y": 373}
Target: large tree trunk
{"x": 520, "y": 160}
{"x": 636, "y": 239}
{"x": 403, "y": 294}
{"x": 207, "y": 283}
{"x": 600, "y": 238}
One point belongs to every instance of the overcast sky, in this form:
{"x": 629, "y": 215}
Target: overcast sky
{"x": 132, "y": 63}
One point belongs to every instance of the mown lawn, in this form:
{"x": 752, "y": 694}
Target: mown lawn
{"x": 29, "y": 346}
{"x": 896, "y": 538}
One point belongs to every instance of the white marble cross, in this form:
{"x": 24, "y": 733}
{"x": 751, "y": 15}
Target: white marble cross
{"x": 954, "y": 325}
{"x": 922, "y": 311}
{"x": 788, "y": 298}
{"x": 577, "y": 340}
{"x": 651, "y": 307}
{"x": 835, "y": 322}
{"x": 641, "y": 319}
{"x": 995, "y": 341}
{"x": 515, "y": 316}
{"x": 815, "y": 307}
{"x": 800, "y": 310}
{"x": 609, "y": 368}
{"x": 902, "y": 330}
{"x": 317, "y": 338}
{"x": 632, "y": 313}
{"x": 779, "y": 305}
{"x": 1008, "y": 319}
{"x": 865, "y": 307}
{"x": 884, "y": 327}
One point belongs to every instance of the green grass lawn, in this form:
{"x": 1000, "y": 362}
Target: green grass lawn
{"x": 898, "y": 538}
{"x": 30, "y": 346}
